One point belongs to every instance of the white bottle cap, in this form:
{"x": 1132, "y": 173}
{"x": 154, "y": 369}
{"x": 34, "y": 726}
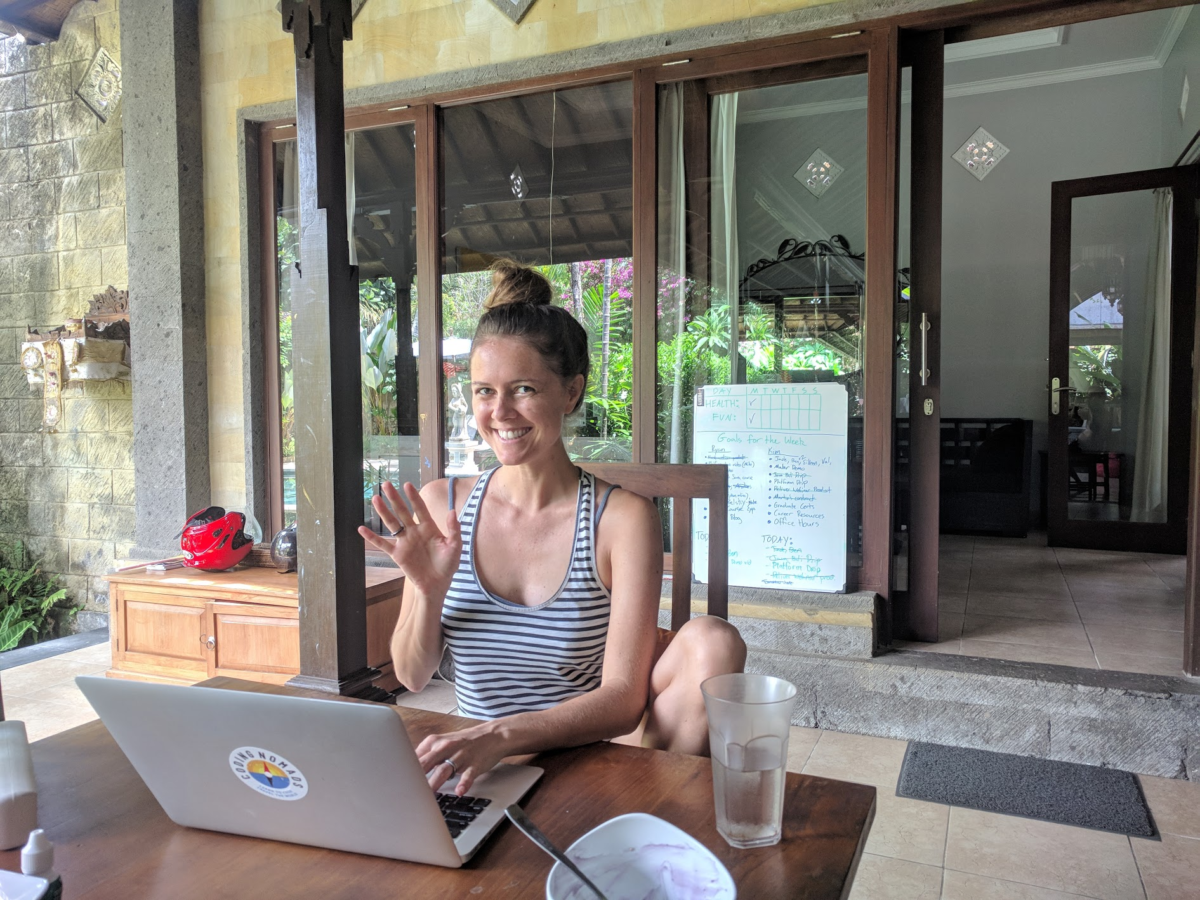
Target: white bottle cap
{"x": 37, "y": 856}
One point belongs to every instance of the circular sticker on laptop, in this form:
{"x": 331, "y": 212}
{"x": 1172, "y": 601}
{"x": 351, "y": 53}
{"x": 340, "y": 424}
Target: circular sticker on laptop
{"x": 268, "y": 773}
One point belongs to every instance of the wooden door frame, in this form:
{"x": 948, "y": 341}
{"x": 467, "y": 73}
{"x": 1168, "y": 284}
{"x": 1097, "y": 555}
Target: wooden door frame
{"x": 1170, "y": 536}
{"x": 915, "y": 615}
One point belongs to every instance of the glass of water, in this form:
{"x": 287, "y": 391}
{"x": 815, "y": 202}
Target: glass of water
{"x": 748, "y": 721}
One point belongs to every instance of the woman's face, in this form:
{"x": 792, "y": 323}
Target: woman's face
{"x": 519, "y": 402}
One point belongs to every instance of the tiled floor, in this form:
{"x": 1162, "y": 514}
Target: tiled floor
{"x": 1018, "y": 599}
{"x": 915, "y": 850}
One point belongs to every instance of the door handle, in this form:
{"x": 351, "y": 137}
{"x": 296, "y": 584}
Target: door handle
{"x": 1056, "y": 388}
{"x": 924, "y": 349}
{"x": 210, "y": 643}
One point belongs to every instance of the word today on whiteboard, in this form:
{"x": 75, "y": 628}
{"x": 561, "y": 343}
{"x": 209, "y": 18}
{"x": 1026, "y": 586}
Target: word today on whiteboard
{"x": 785, "y": 446}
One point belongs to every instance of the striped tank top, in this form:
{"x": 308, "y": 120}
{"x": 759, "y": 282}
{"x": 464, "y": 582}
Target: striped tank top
{"x": 510, "y": 658}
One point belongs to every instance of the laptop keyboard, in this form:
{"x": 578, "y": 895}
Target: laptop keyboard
{"x": 459, "y": 812}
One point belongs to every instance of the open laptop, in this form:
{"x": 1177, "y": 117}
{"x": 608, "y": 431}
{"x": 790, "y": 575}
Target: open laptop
{"x": 321, "y": 772}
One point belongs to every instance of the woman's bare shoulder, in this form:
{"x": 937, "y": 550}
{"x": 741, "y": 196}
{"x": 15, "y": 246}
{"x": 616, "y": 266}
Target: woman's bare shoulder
{"x": 626, "y": 506}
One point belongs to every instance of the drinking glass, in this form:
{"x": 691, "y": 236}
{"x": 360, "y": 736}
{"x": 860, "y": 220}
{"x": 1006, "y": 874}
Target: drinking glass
{"x": 748, "y": 721}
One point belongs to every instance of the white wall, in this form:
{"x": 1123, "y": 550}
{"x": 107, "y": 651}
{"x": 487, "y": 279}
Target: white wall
{"x": 996, "y": 233}
{"x": 1184, "y": 59}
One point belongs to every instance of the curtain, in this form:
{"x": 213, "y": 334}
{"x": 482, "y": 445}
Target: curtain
{"x": 1150, "y": 460}
{"x": 672, "y": 240}
{"x": 726, "y": 269}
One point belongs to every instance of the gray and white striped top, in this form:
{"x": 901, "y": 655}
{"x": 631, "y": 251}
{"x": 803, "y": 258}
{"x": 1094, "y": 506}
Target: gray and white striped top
{"x": 510, "y": 658}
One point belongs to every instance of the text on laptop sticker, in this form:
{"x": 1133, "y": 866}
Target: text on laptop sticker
{"x": 268, "y": 773}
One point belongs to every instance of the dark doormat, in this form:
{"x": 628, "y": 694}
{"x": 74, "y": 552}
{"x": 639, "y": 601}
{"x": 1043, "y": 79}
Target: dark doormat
{"x": 1067, "y": 793}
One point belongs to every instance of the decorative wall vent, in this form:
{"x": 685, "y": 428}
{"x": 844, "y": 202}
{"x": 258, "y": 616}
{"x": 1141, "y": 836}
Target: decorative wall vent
{"x": 514, "y": 9}
{"x": 94, "y": 348}
{"x": 100, "y": 88}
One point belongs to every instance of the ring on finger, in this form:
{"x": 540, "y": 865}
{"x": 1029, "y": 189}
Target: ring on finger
{"x": 399, "y": 530}
{"x": 453, "y": 767}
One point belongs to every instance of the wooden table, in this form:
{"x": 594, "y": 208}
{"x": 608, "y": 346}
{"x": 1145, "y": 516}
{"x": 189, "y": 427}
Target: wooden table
{"x": 113, "y": 840}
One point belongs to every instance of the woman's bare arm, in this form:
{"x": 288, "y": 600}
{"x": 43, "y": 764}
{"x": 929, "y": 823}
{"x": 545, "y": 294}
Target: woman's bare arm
{"x": 428, "y": 556}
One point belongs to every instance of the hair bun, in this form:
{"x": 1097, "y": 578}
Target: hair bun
{"x": 515, "y": 283}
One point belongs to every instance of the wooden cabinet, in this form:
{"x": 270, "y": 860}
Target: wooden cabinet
{"x": 183, "y": 626}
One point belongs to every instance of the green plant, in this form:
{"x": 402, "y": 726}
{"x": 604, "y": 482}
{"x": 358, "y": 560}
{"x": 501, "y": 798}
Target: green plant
{"x": 378, "y": 361}
{"x": 28, "y": 599}
{"x": 1100, "y": 366}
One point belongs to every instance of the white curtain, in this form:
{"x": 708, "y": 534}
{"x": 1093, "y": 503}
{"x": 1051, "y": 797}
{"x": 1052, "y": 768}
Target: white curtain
{"x": 351, "y": 201}
{"x": 1150, "y": 461}
{"x": 672, "y": 238}
{"x": 726, "y": 269}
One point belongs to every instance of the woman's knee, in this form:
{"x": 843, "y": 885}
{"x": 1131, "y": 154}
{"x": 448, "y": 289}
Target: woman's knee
{"x": 713, "y": 643}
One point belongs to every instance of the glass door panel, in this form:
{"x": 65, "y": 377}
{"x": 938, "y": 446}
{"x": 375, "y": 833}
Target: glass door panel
{"x": 761, "y": 254}
{"x": 1119, "y": 326}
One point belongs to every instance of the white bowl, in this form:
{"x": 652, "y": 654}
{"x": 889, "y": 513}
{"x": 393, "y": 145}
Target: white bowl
{"x": 15, "y": 886}
{"x": 641, "y": 857}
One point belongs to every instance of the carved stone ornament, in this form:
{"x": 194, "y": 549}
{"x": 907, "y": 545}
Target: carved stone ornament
{"x": 514, "y": 9}
{"x": 100, "y": 88}
{"x": 109, "y": 303}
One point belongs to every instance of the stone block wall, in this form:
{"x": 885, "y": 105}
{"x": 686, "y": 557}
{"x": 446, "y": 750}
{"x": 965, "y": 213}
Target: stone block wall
{"x": 69, "y": 495}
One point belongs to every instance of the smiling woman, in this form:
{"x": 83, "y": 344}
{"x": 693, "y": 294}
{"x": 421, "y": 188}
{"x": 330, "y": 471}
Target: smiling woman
{"x": 544, "y": 585}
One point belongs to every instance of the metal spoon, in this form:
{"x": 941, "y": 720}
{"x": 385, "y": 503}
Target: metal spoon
{"x": 517, "y": 816}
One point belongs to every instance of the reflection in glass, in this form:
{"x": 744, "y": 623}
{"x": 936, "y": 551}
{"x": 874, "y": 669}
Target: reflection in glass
{"x": 901, "y": 443}
{"x": 380, "y": 195}
{"x": 545, "y": 179}
{"x": 760, "y": 279}
{"x": 1119, "y": 356}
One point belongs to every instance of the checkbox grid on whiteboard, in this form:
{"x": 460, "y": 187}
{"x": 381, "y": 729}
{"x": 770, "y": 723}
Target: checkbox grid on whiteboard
{"x": 788, "y": 412}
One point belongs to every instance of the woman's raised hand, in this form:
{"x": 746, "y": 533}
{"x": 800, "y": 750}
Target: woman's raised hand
{"x": 427, "y": 556}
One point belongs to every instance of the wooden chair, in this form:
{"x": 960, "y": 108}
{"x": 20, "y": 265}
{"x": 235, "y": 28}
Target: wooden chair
{"x": 684, "y": 483}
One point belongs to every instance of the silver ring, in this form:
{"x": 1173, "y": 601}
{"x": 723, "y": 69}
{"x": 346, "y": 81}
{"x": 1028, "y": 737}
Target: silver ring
{"x": 453, "y": 767}
{"x": 399, "y": 530}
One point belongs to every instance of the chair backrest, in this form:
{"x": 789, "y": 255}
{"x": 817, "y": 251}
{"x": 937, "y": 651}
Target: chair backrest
{"x": 684, "y": 483}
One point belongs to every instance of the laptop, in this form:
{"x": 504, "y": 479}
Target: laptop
{"x": 322, "y": 772}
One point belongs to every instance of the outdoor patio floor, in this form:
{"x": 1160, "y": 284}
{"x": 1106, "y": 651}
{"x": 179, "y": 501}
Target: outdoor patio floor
{"x": 1017, "y": 599}
{"x": 915, "y": 851}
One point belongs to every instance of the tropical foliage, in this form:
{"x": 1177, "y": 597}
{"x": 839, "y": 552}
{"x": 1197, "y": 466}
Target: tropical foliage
{"x": 1100, "y": 366}
{"x": 692, "y": 348}
{"x": 31, "y": 604}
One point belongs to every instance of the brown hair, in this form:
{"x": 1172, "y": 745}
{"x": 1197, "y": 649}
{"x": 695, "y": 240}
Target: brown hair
{"x": 519, "y": 306}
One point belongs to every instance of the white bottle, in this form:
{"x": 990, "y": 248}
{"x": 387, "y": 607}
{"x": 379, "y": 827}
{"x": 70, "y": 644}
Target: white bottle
{"x": 37, "y": 859}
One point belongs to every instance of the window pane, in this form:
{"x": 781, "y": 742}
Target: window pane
{"x": 380, "y": 193}
{"x": 762, "y": 236}
{"x": 546, "y": 179}
{"x": 287, "y": 254}
{"x": 1119, "y": 326}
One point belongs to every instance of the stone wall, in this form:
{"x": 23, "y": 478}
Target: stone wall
{"x": 69, "y": 495}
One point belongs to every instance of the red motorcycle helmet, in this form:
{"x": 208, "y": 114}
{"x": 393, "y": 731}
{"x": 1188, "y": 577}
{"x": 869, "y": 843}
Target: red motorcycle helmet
{"x": 213, "y": 540}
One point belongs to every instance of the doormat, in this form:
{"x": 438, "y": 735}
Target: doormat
{"x": 1067, "y": 793}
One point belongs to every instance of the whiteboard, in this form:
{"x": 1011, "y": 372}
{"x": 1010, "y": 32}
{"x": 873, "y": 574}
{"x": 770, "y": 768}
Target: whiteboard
{"x": 785, "y": 446}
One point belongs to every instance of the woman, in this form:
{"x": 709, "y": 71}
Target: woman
{"x": 544, "y": 659}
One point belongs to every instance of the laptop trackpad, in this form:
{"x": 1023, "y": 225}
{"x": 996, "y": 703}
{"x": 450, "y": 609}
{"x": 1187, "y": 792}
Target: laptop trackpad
{"x": 501, "y": 787}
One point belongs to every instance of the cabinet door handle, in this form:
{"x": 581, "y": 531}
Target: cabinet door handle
{"x": 211, "y": 642}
